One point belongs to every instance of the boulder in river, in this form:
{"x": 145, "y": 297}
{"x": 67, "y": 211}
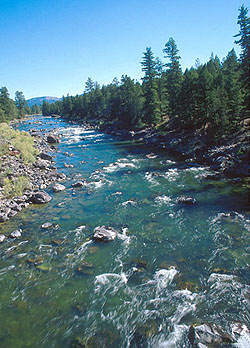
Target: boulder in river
{"x": 186, "y": 200}
{"x": 104, "y": 234}
{"x": 47, "y": 225}
{"x": 16, "y": 233}
{"x": 40, "y": 197}
{"x": 2, "y": 238}
{"x": 53, "y": 139}
{"x": 58, "y": 187}
{"x": 78, "y": 184}
{"x": 208, "y": 334}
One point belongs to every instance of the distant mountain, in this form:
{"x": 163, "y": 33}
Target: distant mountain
{"x": 39, "y": 100}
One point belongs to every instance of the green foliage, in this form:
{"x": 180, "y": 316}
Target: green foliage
{"x": 8, "y": 110}
{"x": 212, "y": 98}
{"x": 13, "y": 188}
{"x": 21, "y": 104}
{"x": 21, "y": 141}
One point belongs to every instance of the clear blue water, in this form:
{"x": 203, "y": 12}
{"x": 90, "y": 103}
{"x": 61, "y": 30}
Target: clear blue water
{"x": 172, "y": 265}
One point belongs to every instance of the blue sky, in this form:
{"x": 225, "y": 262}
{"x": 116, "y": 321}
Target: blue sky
{"x": 51, "y": 47}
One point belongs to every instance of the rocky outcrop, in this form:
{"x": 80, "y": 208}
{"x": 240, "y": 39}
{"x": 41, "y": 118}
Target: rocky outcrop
{"x": 16, "y": 233}
{"x": 104, "y": 234}
{"x": 53, "y": 139}
{"x": 40, "y": 197}
{"x": 78, "y": 184}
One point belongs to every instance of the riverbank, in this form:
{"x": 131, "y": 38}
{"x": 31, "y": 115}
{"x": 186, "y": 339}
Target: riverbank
{"x": 229, "y": 157}
{"x": 27, "y": 168}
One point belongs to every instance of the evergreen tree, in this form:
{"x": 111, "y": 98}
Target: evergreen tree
{"x": 8, "y": 110}
{"x": 173, "y": 76}
{"x": 89, "y": 85}
{"x": 151, "y": 108}
{"x": 130, "y": 103}
{"x": 244, "y": 42}
{"x": 21, "y": 103}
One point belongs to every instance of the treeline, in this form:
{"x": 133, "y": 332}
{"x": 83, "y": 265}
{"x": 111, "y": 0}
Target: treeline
{"x": 10, "y": 109}
{"x": 213, "y": 97}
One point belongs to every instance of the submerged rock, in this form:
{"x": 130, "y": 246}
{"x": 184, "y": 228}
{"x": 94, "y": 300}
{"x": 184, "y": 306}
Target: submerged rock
{"x": 16, "y": 233}
{"x": 104, "y": 234}
{"x": 40, "y": 197}
{"x": 86, "y": 268}
{"x": 58, "y": 187}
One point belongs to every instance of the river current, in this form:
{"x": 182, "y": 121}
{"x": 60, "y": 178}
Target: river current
{"x": 172, "y": 265}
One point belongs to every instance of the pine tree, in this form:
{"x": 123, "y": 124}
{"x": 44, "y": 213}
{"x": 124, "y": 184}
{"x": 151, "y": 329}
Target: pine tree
{"x": 21, "y": 103}
{"x": 173, "y": 76}
{"x": 151, "y": 108}
{"x": 244, "y": 42}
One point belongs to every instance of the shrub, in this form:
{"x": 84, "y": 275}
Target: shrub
{"x": 14, "y": 188}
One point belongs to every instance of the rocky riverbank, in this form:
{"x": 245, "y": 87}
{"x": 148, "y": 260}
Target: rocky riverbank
{"x": 38, "y": 175}
{"x": 230, "y": 157}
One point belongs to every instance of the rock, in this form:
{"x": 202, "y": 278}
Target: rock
{"x": 139, "y": 263}
{"x": 37, "y": 260}
{"x": 104, "y": 234}
{"x": 12, "y": 213}
{"x": 45, "y": 156}
{"x": 42, "y": 164}
{"x": 16, "y": 233}
{"x": 2, "y": 238}
{"x": 78, "y": 184}
{"x": 85, "y": 268}
{"x": 40, "y": 197}
{"x": 66, "y": 165}
{"x": 186, "y": 200}
{"x": 61, "y": 176}
{"x": 47, "y": 225}
{"x": 208, "y": 334}
{"x": 58, "y": 187}
{"x": 3, "y": 217}
{"x": 53, "y": 139}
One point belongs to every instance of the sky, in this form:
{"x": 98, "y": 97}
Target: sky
{"x": 51, "y": 47}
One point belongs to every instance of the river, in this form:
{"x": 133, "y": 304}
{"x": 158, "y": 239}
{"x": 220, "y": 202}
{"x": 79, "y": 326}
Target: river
{"x": 171, "y": 266}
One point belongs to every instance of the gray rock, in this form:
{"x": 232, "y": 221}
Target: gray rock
{"x": 104, "y": 234}
{"x": 40, "y": 197}
{"x": 66, "y": 165}
{"x": 12, "y": 213}
{"x": 16, "y": 233}
{"x": 58, "y": 187}
{"x": 2, "y": 238}
{"x": 61, "y": 176}
{"x": 53, "y": 139}
{"x": 45, "y": 156}
{"x": 186, "y": 200}
{"x": 47, "y": 225}
{"x": 78, "y": 184}
{"x": 208, "y": 334}
{"x": 42, "y": 164}
{"x": 3, "y": 217}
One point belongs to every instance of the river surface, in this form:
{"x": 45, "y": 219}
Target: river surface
{"x": 171, "y": 266}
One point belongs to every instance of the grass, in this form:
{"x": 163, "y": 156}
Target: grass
{"x": 21, "y": 141}
{"x": 13, "y": 188}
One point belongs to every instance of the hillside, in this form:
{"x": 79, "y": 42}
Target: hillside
{"x": 39, "y": 100}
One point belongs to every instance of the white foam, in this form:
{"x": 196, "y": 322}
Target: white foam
{"x": 174, "y": 339}
{"x": 163, "y": 200}
{"x": 129, "y": 202}
{"x": 106, "y": 278}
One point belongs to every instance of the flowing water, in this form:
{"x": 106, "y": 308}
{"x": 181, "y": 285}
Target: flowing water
{"x": 171, "y": 266}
